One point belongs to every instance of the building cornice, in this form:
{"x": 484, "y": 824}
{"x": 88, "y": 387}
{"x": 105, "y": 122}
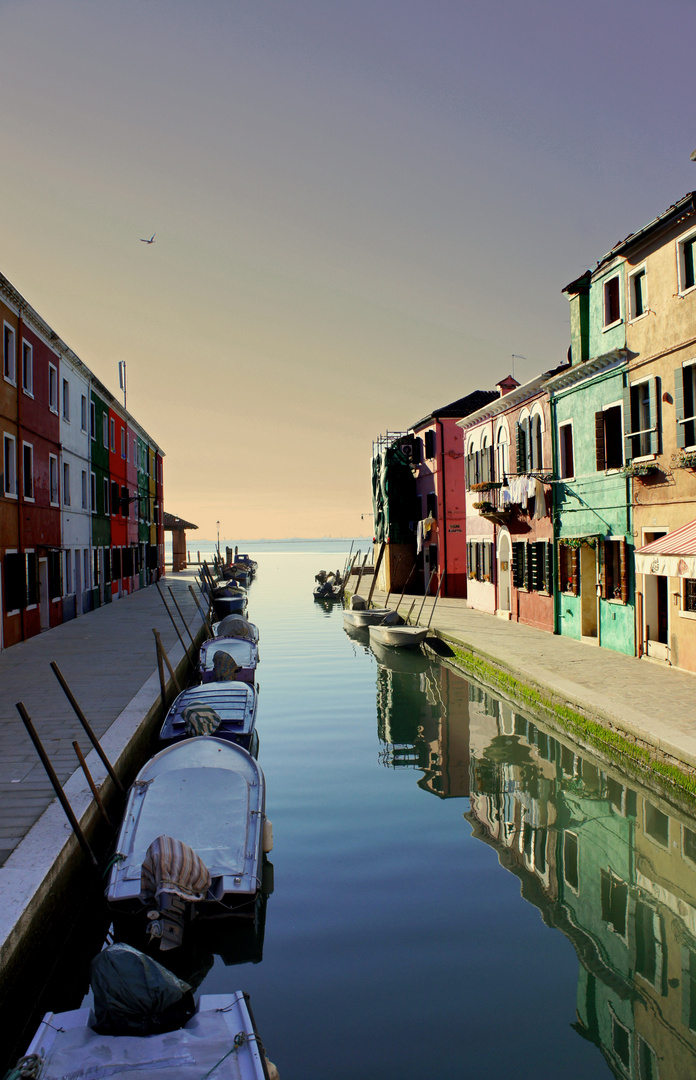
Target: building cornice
{"x": 507, "y": 401}
{"x": 579, "y": 372}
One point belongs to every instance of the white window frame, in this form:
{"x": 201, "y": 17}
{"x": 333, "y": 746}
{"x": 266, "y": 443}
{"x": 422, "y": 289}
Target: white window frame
{"x": 84, "y": 490}
{"x": 112, "y": 432}
{"x": 93, "y": 492}
{"x": 561, "y": 448}
{"x": 605, "y": 408}
{"x": 66, "y": 400}
{"x": 12, "y": 551}
{"x": 105, "y": 430}
{"x": 66, "y": 483}
{"x": 9, "y": 363}
{"x": 687, "y": 238}
{"x": 68, "y": 576}
{"x": 638, "y": 271}
{"x": 83, "y": 413}
{"x": 53, "y": 468}
{"x": 29, "y": 607}
{"x": 53, "y": 388}
{"x": 640, "y": 382}
{"x": 124, "y": 443}
{"x": 28, "y": 352}
{"x": 605, "y": 282}
{"x": 107, "y": 497}
{"x": 10, "y": 490}
{"x": 25, "y": 497}
{"x": 93, "y": 421}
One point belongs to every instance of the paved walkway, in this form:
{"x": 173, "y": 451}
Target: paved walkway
{"x": 106, "y": 656}
{"x": 655, "y": 703}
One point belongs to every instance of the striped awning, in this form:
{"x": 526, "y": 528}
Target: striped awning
{"x": 671, "y": 555}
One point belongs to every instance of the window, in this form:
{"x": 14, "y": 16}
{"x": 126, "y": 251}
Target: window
{"x": 641, "y": 414}
{"x": 613, "y": 576}
{"x": 685, "y": 404}
{"x": 523, "y": 441}
{"x": 125, "y": 503}
{"x": 609, "y": 438}
{"x": 32, "y": 579}
{"x": 519, "y": 565}
{"x": 86, "y": 582}
{"x": 123, "y": 443}
{"x": 638, "y": 293}
{"x": 612, "y": 302}
{"x": 68, "y": 573}
{"x": 536, "y": 443}
{"x": 480, "y": 559}
{"x": 10, "y": 465}
{"x": 55, "y": 575}
{"x": 532, "y": 565}
{"x": 649, "y": 947}
{"x": 66, "y": 484}
{"x": 93, "y": 420}
{"x": 689, "y": 598}
{"x": 614, "y": 898}
{"x": 570, "y": 860}
{"x": 85, "y": 504}
{"x": 431, "y": 504}
{"x": 685, "y": 261}
{"x": 647, "y": 1060}
{"x": 53, "y": 479}
{"x": 106, "y": 496}
{"x": 105, "y": 430}
{"x": 28, "y": 471}
{"x": 66, "y": 400}
{"x": 656, "y": 825}
{"x": 621, "y": 1042}
{"x": 565, "y": 438}
{"x": 27, "y": 369}
{"x": 93, "y": 493}
{"x": 52, "y": 388}
{"x": 9, "y": 360}
{"x": 83, "y": 413}
{"x": 430, "y": 444}
{"x": 115, "y": 498}
{"x": 15, "y": 582}
{"x": 113, "y": 435}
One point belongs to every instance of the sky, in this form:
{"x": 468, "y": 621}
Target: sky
{"x": 362, "y": 211}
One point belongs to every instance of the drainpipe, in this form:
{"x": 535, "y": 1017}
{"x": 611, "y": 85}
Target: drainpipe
{"x": 444, "y": 497}
{"x": 555, "y": 463}
{"x": 20, "y": 457}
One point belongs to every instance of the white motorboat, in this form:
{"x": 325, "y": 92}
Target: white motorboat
{"x": 192, "y": 838}
{"x": 220, "y": 1036}
{"x": 399, "y": 637}
{"x": 221, "y": 658}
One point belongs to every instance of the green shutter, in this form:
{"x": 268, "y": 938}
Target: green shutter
{"x": 549, "y": 567}
{"x": 627, "y": 425}
{"x": 516, "y": 565}
{"x": 654, "y": 406}
{"x": 527, "y": 575}
{"x": 599, "y": 442}
{"x": 533, "y": 567}
{"x": 519, "y": 444}
{"x": 679, "y": 406}
{"x": 527, "y": 427}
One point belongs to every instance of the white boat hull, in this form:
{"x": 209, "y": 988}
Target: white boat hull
{"x": 399, "y": 637}
{"x": 371, "y": 617}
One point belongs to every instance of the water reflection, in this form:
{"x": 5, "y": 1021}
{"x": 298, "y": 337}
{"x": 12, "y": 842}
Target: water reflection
{"x": 610, "y": 864}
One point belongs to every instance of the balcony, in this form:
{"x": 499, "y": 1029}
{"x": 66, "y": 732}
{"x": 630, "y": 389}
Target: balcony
{"x": 500, "y": 502}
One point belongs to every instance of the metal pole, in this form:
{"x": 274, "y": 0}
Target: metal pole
{"x": 425, "y": 594}
{"x": 90, "y": 781}
{"x": 181, "y": 616}
{"x": 437, "y": 595}
{"x": 377, "y": 568}
{"x": 413, "y": 604}
{"x": 163, "y": 654}
{"x": 83, "y": 720}
{"x": 207, "y": 625}
{"x": 160, "y": 672}
{"x": 183, "y": 643}
{"x": 404, "y": 588}
{"x": 82, "y": 839}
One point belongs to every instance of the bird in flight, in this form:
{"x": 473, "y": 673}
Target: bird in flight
{"x": 150, "y": 241}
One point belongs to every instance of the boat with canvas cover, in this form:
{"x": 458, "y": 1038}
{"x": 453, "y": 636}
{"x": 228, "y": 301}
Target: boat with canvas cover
{"x": 223, "y": 658}
{"x": 371, "y": 617}
{"x": 225, "y": 709}
{"x": 192, "y": 839}
{"x": 236, "y": 626}
{"x": 399, "y": 637}
{"x": 144, "y": 1022}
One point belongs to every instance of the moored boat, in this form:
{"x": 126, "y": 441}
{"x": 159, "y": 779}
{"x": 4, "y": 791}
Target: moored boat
{"x": 371, "y": 617}
{"x": 192, "y": 838}
{"x": 223, "y": 658}
{"x": 236, "y": 626}
{"x": 226, "y": 710}
{"x": 399, "y": 637}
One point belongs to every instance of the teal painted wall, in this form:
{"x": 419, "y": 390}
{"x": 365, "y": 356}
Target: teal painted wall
{"x": 603, "y": 341}
{"x": 593, "y": 503}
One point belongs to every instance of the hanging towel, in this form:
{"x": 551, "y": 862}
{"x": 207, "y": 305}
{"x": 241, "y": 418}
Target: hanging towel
{"x": 539, "y": 500}
{"x": 419, "y": 537}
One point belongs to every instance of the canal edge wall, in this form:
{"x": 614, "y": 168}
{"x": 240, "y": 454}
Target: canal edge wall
{"x": 673, "y": 767}
{"x": 36, "y": 877}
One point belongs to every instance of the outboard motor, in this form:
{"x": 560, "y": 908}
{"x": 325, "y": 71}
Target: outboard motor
{"x": 173, "y": 877}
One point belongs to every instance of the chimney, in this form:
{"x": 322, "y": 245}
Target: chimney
{"x": 506, "y": 385}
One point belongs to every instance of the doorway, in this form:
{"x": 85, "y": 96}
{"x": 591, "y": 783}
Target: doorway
{"x": 588, "y": 592}
{"x": 44, "y": 618}
{"x": 78, "y": 581}
{"x": 504, "y": 599}
{"x": 656, "y": 609}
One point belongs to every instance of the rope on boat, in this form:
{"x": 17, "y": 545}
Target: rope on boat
{"x": 27, "y": 1068}
{"x": 240, "y": 1040}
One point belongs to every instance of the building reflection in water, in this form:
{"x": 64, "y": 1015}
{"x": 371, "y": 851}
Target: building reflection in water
{"x": 610, "y": 864}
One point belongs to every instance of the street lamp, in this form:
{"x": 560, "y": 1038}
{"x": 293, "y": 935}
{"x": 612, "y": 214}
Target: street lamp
{"x": 218, "y": 540}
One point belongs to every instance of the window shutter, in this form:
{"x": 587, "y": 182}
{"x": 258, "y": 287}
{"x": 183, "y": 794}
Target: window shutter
{"x": 519, "y": 444}
{"x": 627, "y": 425}
{"x": 679, "y": 406}
{"x": 417, "y": 451}
{"x": 516, "y": 565}
{"x": 602, "y": 551}
{"x": 599, "y": 441}
{"x": 469, "y": 481}
{"x": 484, "y": 466}
{"x": 491, "y": 463}
{"x": 623, "y": 570}
{"x": 527, "y": 428}
{"x": 469, "y": 560}
{"x": 653, "y": 404}
{"x": 576, "y": 572}
{"x": 533, "y": 567}
{"x": 549, "y": 567}
{"x": 527, "y": 577}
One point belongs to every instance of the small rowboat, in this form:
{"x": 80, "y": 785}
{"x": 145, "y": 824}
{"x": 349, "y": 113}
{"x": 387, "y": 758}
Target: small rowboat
{"x": 371, "y": 617}
{"x": 220, "y": 653}
{"x": 399, "y": 637}
{"x": 226, "y": 710}
{"x": 236, "y": 626}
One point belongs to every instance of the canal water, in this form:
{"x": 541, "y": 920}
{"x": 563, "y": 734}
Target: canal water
{"x": 459, "y": 891}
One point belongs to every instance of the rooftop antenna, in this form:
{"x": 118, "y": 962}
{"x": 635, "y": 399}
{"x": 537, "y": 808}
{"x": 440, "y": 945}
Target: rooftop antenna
{"x": 516, "y": 356}
{"x": 122, "y": 380}
{"x": 693, "y": 156}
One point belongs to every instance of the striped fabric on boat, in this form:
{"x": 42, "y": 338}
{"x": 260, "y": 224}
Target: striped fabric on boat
{"x": 171, "y": 866}
{"x": 225, "y": 667}
{"x": 200, "y": 720}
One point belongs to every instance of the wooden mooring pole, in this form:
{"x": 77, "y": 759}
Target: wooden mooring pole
{"x": 183, "y": 643}
{"x": 57, "y": 787}
{"x": 162, "y": 653}
{"x": 88, "y": 729}
{"x": 204, "y": 617}
{"x": 90, "y": 781}
{"x": 180, "y": 614}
